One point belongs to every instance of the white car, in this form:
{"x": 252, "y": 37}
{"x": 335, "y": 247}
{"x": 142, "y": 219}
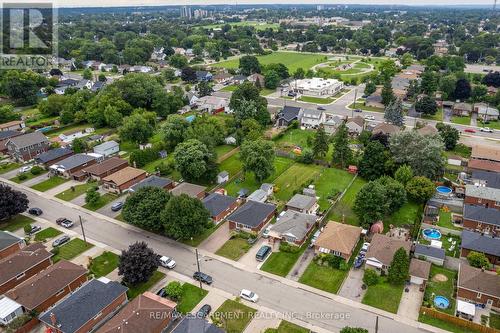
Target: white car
{"x": 368, "y": 117}
{"x": 167, "y": 262}
{"x": 249, "y": 295}
{"x": 265, "y": 234}
{"x": 25, "y": 168}
{"x": 364, "y": 248}
{"x": 486, "y": 129}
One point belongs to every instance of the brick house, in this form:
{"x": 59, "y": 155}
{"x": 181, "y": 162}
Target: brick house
{"x": 15, "y": 125}
{"x": 4, "y": 137}
{"x": 22, "y": 265}
{"x": 123, "y": 179}
{"x": 338, "y": 239}
{"x": 9, "y": 244}
{"x": 53, "y": 156}
{"x": 486, "y": 153}
{"x": 86, "y": 308}
{"x": 482, "y": 196}
{"x": 28, "y": 146}
{"x": 293, "y": 227}
{"x": 72, "y": 166}
{"x": 153, "y": 181}
{"x": 475, "y": 241}
{"x": 481, "y": 219}
{"x": 381, "y": 251}
{"x": 252, "y": 216}
{"x": 107, "y": 167}
{"x": 192, "y": 190}
{"x": 48, "y": 286}
{"x": 220, "y": 206}
{"x": 479, "y": 287}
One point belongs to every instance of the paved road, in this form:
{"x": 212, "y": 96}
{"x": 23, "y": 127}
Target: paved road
{"x": 329, "y": 312}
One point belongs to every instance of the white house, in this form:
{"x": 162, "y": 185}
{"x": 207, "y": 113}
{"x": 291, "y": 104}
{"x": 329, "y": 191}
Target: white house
{"x": 258, "y": 195}
{"x": 107, "y": 148}
{"x": 9, "y": 310}
{"x": 212, "y": 104}
{"x": 317, "y": 87}
{"x": 486, "y": 112}
{"x": 222, "y": 177}
{"x": 69, "y": 137}
{"x": 312, "y": 118}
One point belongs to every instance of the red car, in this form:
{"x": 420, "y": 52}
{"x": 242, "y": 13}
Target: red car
{"x": 469, "y": 130}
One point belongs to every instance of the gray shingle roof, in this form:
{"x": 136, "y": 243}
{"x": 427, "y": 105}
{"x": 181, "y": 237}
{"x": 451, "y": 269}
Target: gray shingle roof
{"x": 294, "y": 223}
{"x": 252, "y": 213}
{"x": 29, "y": 139}
{"x": 75, "y": 160}
{"x": 492, "y": 179}
{"x": 7, "y": 239}
{"x": 480, "y": 243}
{"x": 8, "y": 134}
{"x": 106, "y": 145}
{"x": 289, "y": 113}
{"x": 482, "y": 192}
{"x": 429, "y": 251}
{"x": 53, "y": 154}
{"x": 216, "y": 203}
{"x": 84, "y": 304}
{"x": 312, "y": 113}
{"x": 153, "y": 181}
{"x": 482, "y": 214}
{"x": 192, "y": 324}
{"x": 301, "y": 201}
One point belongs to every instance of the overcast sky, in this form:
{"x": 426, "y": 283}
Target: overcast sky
{"x": 100, "y": 3}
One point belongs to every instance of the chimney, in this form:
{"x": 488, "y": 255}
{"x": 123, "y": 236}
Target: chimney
{"x": 53, "y": 319}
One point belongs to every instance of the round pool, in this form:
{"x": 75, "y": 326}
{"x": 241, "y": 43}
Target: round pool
{"x": 441, "y": 302}
{"x": 443, "y": 190}
{"x": 431, "y": 234}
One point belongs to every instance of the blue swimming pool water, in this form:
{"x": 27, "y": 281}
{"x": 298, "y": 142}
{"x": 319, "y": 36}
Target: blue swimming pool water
{"x": 431, "y": 234}
{"x": 441, "y": 302}
{"x": 443, "y": 189}
{"x": 190, "y": 118}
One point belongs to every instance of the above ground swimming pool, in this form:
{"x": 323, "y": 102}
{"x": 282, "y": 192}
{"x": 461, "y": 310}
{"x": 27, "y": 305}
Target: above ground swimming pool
{"x": 441, "y": 302}
{"x": 431, "y": 234}
{"x": 443, "y": 190}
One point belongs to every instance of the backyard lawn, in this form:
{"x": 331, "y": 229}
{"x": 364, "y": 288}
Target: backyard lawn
{"x": 406, "y": 215}
{"x": 15, "y": 223}
{"x": 445, "y": 220}
{"x": 234, "y": 248}
{"x": 293, "y": 179}
{"x": 104, "y": 264}
{"x": 280, "y": 263}
{"x": 231, "y": 164}
{"x": 441, "y": 283}
{"x": 190, "y": 297}
{"x": 223, "y": 150}
{"x": 331, "y": 182}
{"x": 287, "y": 327}
{"x": 46, "y": 233}
{"x": 361, "y": 105}
{"x": 323, "y": 277}
{"x": 495, "y": 320}
{"x": 49, "y": 183}
{"x": 384, "y": 296}
{"x": 343, "y": 209}
{"x": 135, "y": 291}
{"x": 295, "y": 137}
{"x": 234, "y": 316}
{"x": 71, "y": 249}
{"x": 75, "y": 191}
{"x": 445, "y": 325}
{"x": 103, "y": 201}
{"x": 451, "y": 244}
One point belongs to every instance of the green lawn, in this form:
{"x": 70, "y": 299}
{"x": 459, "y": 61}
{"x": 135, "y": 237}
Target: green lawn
{"x": 460, "y": 120}
{"x": 444, "y": 288}
{"x": 280, "y": 263}
{"x": 287, "y": 327}
{"x": 445, "y": 325}
{"x": 331, "y": 182}
{"x": 49, "y": 183}
{"x": 323, "y": 277}
{"x": 491, "y": 124}
{"x": 29, "y": 176}
{"x": 196, "y": 240}
{"x": 234, "y": 248}
{"x": 495, "y": 320}
{"x": 223, "y": 150}
{"x": 104, "y": 264}
{"x": 234, "y": 316}
{"x": 445, "y": 220}
{"x": 266, "y": 91}
{"x": 316, "y": 100}
{"x": 344, "y": 206}
{"x": 231, "y": 164}
{"x": 71, "y": 249}
{"x": 46, "y": 233}
{"x": 295, "y": 137}
{"x": 103, "y": 201}
{"x": 437, "y": 117}
{"x": 293, "y": 179}
{"x": 191, "y": 296}
{"x": 135, "y": 291}
{"x": 406, "y": 215}
{"x": 230, "y": 88}
{"x": 6, "y": 167}
{"x": 384, "y": 296}
{"x": 15, "y": 223}
{"x": 75, "y": 191}
{"x": 361, "y": 105}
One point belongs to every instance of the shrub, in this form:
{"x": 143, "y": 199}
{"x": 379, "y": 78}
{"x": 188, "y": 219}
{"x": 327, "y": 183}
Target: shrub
{"x": 36, "y": 170}
{"x": 22, "y": 176}
{"x": 174, "y": 290}
{"x": 286, "y": 247}
{"x": 370, "y": 278}
{"x": 27, "y": 228}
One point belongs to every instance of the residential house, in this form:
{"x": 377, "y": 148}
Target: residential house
{"x": 49, "y": 286}
{"x": 256, "y": 77}
{"x": 158, "y": 54}
{"x": 483, "y": 165}
{"x": 486, "y": 112}
{"x": 98, "y": 85}
{"x": 222, "y": 177}
{"x": 153, "y": 181}
{"x": 28, "y": 146}
{"x": 481, "y": 219}
{"x": 312, "y": 118}
{"x": 195, "y": 324}
{"x": 53, "y": 156}
{"x": 192, "y": 98}
{"x": 22, "y": 265}
{"x": 289, "y": 114}
{"x": 481, "y": 195}
{"x": 486, "y": 178}
{"x": 375, "y": 100}
{"x": 203, "y": 76}
{"x": 105, "y": 168}
{"x": 212, "y": 104}
{"x": 478, "y": 242}
{"x": 220, "y": 206}
{"x": 462, "y": 109}
{"x": 15, "y": 125}
{"x": 258, "y": 195}
{"x": 191, "y": 190}
{"x": 179, "y": 50}
{"x": 239, "y": 79}
{"x": 147, "y": 313}
{"x": 268, "y": 188}
{"x": 292, "y": 227}
{"x": 72, "y": 166}
{"x": 338, "y": 239}
{"x": 381, "y": 251}
{"x": 427, "y": 130}
{"x": 429, "y": 253}
{"x": 4, "y": 137}
{"x": 9, "y": 310}
{"x": 486, "y": 153}
{"x": 331, "y": 124}
{"x": 68, "y": 137}
{"x": 479, "y": 287}
{"x": 123, "y": 179}
{"x": 386, "y": 129}
{"x": 303, "y": 204}
{"x": 86, "y": 308}
{"x": 222, "y": 78}
{"x": 252, "y": 216}
{"x": 419, "y": 271}
{"x": 9, "y": 244}
{"x": 107, "y": 148}
{"x": 355, "y": 125}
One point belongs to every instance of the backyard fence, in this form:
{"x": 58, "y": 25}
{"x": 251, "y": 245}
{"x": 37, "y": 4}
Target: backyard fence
{"x": 457, "y": 321}
{"x": 444, "y": 231}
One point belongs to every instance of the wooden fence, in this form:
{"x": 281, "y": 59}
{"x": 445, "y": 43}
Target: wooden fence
{"x": 457, "y": 321}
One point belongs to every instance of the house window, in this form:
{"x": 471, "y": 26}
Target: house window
{"x": 20, "y": 276}
{"x": 60, "y": 292}
{"x": 479, "y": 295}
{"x": 98, "y": 315}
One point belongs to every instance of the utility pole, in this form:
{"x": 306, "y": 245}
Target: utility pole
{"x": 83, "y": 230}
{"x": 198, "y": 264}
{"x": 354, "y": 104}
{"x": 376, "y": 325}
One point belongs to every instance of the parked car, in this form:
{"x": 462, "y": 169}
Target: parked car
{"x": 249, "y": 295}
{"x": 64, "y": 222}
{"x": 369, "y": 117}
{"x": 60, "y": 241}
{"x": 34, "y": 229}
{"x": 205, "y": 278}
{"x": 358, "y": 110}
{"x": 365, "y": 246}
{"x": 161, "y": 293}
{"x": 263, "y": 252}
{"x": 486, "y": 129}
{"x": 321, "y": 108}
{"x": 292, "y": 94}
{"x": 117, "y": 206}
{"x": 469, "y": 130}
{"x": 358, "y": 262}
{"x": 314, "y": 238}
{"x": 204, "y": 311}
{"x": 25, "y": 168}
{"x": 167, "y": 262}
{"x": 265, "y": 234}
{"x": 35, "y": 211}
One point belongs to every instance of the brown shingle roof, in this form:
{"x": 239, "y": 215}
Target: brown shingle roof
{"x": 476, "y": 280}
{"x": 136, "y": 315}
{"x": 11, "y": 123}
{"x": 124, "y": 175}
{"x": 45, "y": 284}
{"x": 189, "y": 189}
{"x": 486, "y": 153}
{"x": 339, "y": 237}
{"x": 427, "y": 130}
{"x": 385, "y": 129}
{"x": 420, "y": 268}
{"x": 18, "y": 263}
{"x": 357, "y": 120}
{"x": 484, "y": 165}
{"x": 383, "y": 247}
{"x": 105, "y": 166}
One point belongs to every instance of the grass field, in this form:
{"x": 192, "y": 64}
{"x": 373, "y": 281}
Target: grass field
{"x": 104, "y": 264}
{"x": 287, "y": 327}
{"x": 191, "y": 296}
{"x": 344, "y": 206}
{"x": 49, "y": 183}
{"x": 445, "y": 221}
{"x": 234, "y": 248}
{"x": 316, "y": 100}
{"x": 405, "y": 215}
{"x": 75, "y": 192}
{"x": 135, "y": 291}
{"x": 384, "y": 296}
{"x": 292, "y": 60}
{"x": 330, "y": 182}
{"x": 71, "y": 249}
{"x": 445, "y": 325}
{"x": 46, "y": 233}
{"x": 495, "y": 320}
{"x": 297, "y": 137}
{"x": 223, "y": 150}
{"x": 15, "y": 223}
{"x": 103, "y": 201}
{"x": 361, "y": 105}
{"x": 444, "y": 288}
{"x": 460, "y": 120}
{"x": 280, "y": 263}
{"x": 231, "y": 164}
{"x": 293, "y": 178}
{"x": 323, "y": 277}
{"x": 234, "y": 316}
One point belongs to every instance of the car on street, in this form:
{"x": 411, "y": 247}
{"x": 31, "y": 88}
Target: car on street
{"x": 117, "y": 206}
{"x": 205, "y": 278}
{"x": 469, "y": 130}
{"x": 204, "y": 311}
{"x": 60, "y": 241}
{"x": 358, "y": 110}
{"x": 64, "y": 222}
{"x": 161, "y": 293}
{"x": 249, "y": 295}
{"x": 321, "y": 108}
{"x": 25, "y": 168}
{"x": 35, "y": 211}
{"x": 167, "y": 262}
{"x": 34, "y": 229}
{"x": 486, "y": 129}
{"x": 369, "y": 117}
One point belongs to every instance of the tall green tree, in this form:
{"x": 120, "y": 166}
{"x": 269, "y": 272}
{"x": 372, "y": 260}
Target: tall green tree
{"x": 143, "y": 207}
{"x": 394, "y": 113}
{"x": 184, "y": 217}
{"x": 400, "y": 266}
{"x": 7, "y": 114}
{"x": 387, "y": 93}
{"x": 135, "y": 128}
{"x": 138, "y": 263}
{"x": 258, "y": 157}
{"x": 249, "y": 65}
{"x": 342, "y": 153}
{"x": 372, "y": 164}
{"x": 174, "y": 130}
{"x": 426, "y": 105}
{"x": 320, "y": 146}
{"x": 370, "y": 204}
{"x": 420, "y": 189}
{"x": 403, "y": 174}
{"x": 449, "y": 134}
{"x": 195, "y": 161}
